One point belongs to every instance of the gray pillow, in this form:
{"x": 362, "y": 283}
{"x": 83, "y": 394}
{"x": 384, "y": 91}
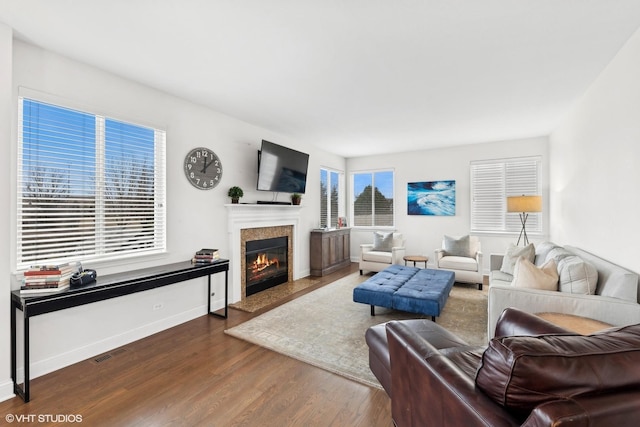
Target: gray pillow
{"x": 542, "y": 250}
{"x": 457, "y": 247}
{"x": 382, "y": 242}
{"x": 577, "y": 276}
{"x": 513, "y": 252}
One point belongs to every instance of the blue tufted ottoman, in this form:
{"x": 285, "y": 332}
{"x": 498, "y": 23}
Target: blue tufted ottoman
{"x": 411, "y": 289}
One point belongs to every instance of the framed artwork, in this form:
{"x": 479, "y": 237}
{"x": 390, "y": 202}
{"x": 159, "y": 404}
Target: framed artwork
{"x": 431, "y": 198}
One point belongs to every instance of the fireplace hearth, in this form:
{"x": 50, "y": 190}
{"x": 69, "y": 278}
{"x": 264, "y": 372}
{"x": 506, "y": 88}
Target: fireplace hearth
{"x": 266, "y": 264}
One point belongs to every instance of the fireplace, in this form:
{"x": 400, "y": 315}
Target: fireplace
{"x": 266, "y": 263}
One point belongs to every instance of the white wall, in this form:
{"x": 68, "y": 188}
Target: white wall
{"x": 6, "y": 386}
{"x": 595, "y": 177}
{"x": 196, "y": 218}
{"x": 424, "y": 233}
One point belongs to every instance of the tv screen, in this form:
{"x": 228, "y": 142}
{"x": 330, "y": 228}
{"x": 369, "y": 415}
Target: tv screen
{"x": 282, "y": 169}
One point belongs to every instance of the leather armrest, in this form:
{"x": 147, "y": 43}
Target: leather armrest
{"x": 430, "y": 390}
{"x": 514, "y": 322}
{"x": 618, "y": 409}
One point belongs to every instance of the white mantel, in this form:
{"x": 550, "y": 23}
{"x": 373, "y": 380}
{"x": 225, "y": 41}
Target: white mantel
{"x": 242, "y": 216}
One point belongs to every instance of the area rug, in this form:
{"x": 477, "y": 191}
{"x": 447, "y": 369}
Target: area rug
{"x": 325, "y": 328}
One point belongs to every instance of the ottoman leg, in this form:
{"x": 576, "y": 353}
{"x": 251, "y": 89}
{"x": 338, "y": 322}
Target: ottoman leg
{"x": 373, "y": 312}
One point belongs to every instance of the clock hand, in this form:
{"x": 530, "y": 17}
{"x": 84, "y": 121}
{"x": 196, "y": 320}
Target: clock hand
{"x": 204, "y": 169}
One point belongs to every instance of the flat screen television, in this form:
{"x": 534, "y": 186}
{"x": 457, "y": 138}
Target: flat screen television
{"x": 281, "y": 169}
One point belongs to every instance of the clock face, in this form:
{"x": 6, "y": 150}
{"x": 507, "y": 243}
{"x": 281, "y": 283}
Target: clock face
{"x": 203, "y": 168}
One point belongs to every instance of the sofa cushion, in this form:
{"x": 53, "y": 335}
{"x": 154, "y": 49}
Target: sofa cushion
{"x": 458, "y": 263}
{"x": 577, "y": 276}
{"x": 498, "y": 277}
{"x": 542, "y": 250}
{"x": 377, "y": 256}
{"x": 527, "y": 275}
{"x": 382, "y": 242}
{"x": 521, "y": 372}
{"x": 457, "y": 247}
{"x": 557, "y": 254}
{"x": 513, "y": 252}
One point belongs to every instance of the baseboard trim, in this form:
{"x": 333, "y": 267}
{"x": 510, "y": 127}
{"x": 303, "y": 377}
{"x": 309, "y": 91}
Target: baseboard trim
{"x": 43, "y": 367}
{"x": 6, "y": 390}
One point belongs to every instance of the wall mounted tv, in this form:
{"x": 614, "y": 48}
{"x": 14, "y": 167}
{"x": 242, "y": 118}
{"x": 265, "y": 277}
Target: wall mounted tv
{"x": 281, "y": 169}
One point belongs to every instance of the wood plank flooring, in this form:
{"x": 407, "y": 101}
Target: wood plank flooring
{"x": 196, "y": 375}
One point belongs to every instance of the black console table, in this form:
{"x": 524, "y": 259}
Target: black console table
{"x": 106, "y": 287}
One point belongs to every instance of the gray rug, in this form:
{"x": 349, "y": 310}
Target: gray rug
{"x": 325, "y": 328}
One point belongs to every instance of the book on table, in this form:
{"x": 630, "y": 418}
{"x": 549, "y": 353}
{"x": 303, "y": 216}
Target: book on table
{"x": 205, "y": 256}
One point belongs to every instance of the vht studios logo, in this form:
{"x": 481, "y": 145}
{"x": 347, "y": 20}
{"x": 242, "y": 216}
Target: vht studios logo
{"x": 43, "y": 418}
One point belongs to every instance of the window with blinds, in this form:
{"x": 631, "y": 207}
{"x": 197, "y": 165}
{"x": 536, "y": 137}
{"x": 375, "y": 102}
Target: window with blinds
{"x": 89, "y": 187}
{"x": 329, "y": 197}
{"x": 373, "y": 199}
{"x": 492, "y": 182}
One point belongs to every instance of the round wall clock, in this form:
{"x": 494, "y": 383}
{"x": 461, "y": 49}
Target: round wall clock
{"x": 203, "y": 168}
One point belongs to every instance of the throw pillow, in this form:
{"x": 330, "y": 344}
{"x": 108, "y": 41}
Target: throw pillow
{"x": 527, "y": 275}
{"x": 458, "y": 247}
{"x": 542, "y": 250}
{"x": 382, "y": 241}
{"x": 522, "y": 372}
{"x": 577, "y": 276}
{"x": 513, "y": 252}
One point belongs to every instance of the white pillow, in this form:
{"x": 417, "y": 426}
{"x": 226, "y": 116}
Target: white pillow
{"x": 458, "y": 247}
{"x": 577, "y": 276}
{"x": 513, "y": 252}
{"x": 382, "y": 241}
{"x": 527, "y": 275}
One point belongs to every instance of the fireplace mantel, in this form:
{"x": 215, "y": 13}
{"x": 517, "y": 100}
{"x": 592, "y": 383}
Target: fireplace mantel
{"x": 243, "y": 216}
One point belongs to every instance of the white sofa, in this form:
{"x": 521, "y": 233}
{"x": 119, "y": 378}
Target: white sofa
{"x": 377, "y": 260}
{"x": 616, "y": 300}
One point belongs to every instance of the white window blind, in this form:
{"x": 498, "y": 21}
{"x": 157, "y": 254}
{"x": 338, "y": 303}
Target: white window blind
{"x": 492, "y": 182}
{"x": 373, "y": 199}
{"x": 330, "y": 197}
{"x": 89, "y": 187}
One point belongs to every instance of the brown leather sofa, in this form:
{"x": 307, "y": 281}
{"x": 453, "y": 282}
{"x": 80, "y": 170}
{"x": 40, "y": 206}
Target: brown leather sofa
{"x": 533, "y": 373}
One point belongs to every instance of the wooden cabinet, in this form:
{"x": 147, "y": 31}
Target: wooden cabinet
{"x": 330, "y": 250}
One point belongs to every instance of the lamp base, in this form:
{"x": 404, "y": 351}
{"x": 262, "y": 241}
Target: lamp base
{"x": 523, "y": 232}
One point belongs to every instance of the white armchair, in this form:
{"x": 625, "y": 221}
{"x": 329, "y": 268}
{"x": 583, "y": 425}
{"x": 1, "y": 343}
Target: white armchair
{"x": 387, "y": 249}
{"x": 463, "y": 256}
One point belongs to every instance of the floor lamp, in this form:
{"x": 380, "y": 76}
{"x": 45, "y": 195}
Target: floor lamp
{"x": 524, "y": 205}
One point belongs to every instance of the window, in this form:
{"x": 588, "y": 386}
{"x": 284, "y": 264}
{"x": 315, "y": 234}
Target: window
{"x": 89, "y": 187}
{"x": 373, "y": 199}
{"x": 492, "y": 182}
{"x": 330, "y": 197}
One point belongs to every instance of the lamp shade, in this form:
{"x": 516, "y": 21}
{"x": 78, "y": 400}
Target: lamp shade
{"x": 524, "y": 204}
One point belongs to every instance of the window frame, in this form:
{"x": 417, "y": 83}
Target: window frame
{"x": 154, "y": 241}
{"x": 521, "y": 175}
{"x": 340, "y": 196}
{"x": 352, "y": 190}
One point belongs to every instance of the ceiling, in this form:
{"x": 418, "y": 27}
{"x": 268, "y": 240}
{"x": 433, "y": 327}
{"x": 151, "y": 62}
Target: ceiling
{"x": 354, "y": 77}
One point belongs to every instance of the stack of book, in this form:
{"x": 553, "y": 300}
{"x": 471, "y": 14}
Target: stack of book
{"x": 48, "y": 278}
{"x": 205, "y": 256}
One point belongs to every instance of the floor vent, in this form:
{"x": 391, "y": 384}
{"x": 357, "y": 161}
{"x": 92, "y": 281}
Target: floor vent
{"x": 107, "y": 356}
{"x": 102, "y": 358}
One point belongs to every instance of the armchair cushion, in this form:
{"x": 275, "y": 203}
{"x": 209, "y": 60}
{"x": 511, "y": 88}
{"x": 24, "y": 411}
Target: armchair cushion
{"x": 522, "y": 372}
{"x": 513, "y": 252}
{"x": 460, "y": 247}
{"x": 382, "y": 242}
{"x": 458, "y": 263}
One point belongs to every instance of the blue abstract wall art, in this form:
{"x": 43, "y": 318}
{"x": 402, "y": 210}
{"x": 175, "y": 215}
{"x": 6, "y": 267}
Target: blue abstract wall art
{"x": 431, "y": 198}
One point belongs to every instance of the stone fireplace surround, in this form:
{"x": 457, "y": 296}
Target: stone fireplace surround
{"x": 250, "y": 222}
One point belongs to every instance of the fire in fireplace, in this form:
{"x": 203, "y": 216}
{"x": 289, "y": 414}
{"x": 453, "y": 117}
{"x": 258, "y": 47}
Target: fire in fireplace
{"x": 266, "y": 263}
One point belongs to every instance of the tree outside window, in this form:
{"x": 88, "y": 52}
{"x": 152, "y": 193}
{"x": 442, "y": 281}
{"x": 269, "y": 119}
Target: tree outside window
{"x": 373, "y": 199}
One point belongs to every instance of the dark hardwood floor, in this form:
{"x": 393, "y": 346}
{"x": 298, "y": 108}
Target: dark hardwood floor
{"x": 194, "y": 374}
